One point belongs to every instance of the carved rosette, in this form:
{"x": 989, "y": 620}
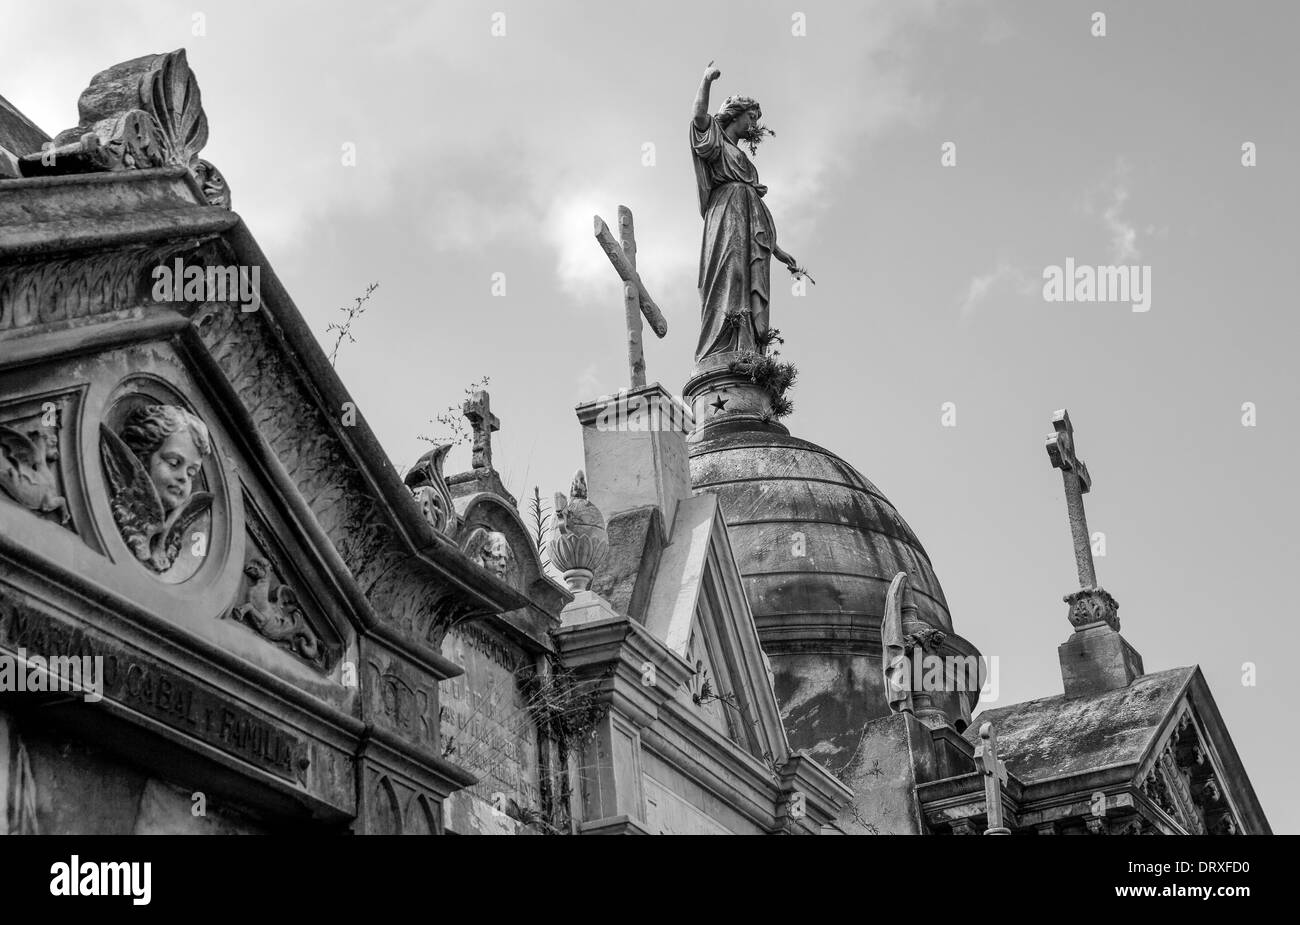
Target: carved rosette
{"x": 927, "y": 639}
{"x": 1092, "y": 607}
{"x": 579, "y": 543}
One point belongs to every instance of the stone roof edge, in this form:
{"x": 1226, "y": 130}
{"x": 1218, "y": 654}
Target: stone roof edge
{"x": 983, "y": 715}
{"x": 1198, "y": 695}
{"x": 429, "y": 551}
{"x": 14, "y": 114}
{"x": 441, "y": 556}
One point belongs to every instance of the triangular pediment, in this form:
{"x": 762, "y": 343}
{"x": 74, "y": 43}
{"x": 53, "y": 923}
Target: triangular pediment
{"x": 1191, "y": 770}
{"x": 127, "y": 466}
{"x": 698, "y": 609}
{"x": 1159, "y": 739}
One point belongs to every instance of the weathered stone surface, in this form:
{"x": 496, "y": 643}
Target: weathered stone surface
{"x": 1097, "y": 659}
{"x": 488, "y": 728}
{"x": 636, "y": 540}
{"x": 18, "y": 134}
{"x": 798, "y": 511}
{"x": 890, "y": 758}
{"x": 634, "y": 449}
{"x": 1058, "y": 735}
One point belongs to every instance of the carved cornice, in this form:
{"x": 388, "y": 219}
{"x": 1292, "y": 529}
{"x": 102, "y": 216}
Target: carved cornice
{"x": 333, "y": 485}
{"x": 68, "y": 287}
{"x": 1183, "y": 783}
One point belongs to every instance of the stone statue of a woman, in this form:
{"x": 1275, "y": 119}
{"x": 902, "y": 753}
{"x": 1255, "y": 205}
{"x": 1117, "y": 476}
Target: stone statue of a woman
{"x": 739, "y": 233}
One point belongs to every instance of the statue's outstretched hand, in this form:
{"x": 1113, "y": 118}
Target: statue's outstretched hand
{"x": 797, "y": 271}
{"x": 711, "y": 73}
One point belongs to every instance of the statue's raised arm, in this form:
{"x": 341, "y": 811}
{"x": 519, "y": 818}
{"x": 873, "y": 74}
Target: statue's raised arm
{"x": 700, "y": 115}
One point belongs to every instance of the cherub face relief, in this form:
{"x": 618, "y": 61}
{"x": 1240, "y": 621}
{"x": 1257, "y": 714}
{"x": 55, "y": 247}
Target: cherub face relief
{"x": 173, "y": 467}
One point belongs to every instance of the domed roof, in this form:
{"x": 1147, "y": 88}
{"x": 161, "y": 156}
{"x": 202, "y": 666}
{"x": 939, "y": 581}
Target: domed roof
{"x": 816, "y": 542}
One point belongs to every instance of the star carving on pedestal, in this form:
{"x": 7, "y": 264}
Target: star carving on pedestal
{"x": 719, "y": 403}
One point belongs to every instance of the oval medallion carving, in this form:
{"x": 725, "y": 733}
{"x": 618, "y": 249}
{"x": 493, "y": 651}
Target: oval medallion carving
{"x": 159, "y": 464}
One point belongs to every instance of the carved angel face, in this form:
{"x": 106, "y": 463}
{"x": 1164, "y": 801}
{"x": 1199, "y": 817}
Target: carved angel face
{"x": 497, "y": 555}
{"x": 173, "y": 468}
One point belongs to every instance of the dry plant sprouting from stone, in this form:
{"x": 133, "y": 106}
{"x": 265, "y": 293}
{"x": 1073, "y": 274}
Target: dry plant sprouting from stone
{"x": 565, "y": 707}
{"x": 702, "y": 691}
{"x": 452, "y": 418}
{"x": 770, "y": 374}
{"x": 540, "y": 526}
{"x": 344, "y": 329}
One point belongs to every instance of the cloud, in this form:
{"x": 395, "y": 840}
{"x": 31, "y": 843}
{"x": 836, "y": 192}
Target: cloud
{"x": 981, "y": 285}
{"x": 1123, "y": 233}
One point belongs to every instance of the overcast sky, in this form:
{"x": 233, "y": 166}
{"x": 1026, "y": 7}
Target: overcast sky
{"x": 479, "y": 154}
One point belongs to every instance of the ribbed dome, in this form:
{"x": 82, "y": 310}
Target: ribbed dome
{"x": 818, "y": 545}
{"x": 773, "y": 488}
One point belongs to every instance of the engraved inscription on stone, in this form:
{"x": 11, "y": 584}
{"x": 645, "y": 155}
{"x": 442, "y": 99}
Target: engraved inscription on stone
{"x": 485, "y": 723}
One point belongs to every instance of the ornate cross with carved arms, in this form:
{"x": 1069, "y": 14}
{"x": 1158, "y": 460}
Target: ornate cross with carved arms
{"x": 1090, "y": 604}
{"x": 478, "y": 409}
{"x": 636, "y": 300}
{"x": 995, "y": 775}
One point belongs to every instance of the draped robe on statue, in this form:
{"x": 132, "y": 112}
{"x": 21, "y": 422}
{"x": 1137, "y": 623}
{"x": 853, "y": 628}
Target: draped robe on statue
{"x": 736, "y": 254}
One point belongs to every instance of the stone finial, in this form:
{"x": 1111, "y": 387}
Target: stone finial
{"x": 579, "y": 543}
{"x": 146, "y": 112}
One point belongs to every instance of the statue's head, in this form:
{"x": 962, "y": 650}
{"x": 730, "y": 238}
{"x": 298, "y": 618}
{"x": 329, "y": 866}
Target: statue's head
{"x": 171, "y": 443}
{"x": 741, "y": 117}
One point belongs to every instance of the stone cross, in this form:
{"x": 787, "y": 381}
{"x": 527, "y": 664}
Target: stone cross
{"x": 636, "y": 300}
{"x": 995, "y": 775}
{"x": 478, "y": 409}
{"x": 1060, "y": 449}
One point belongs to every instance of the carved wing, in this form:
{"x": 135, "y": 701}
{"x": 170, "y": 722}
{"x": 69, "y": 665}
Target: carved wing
{"x": 19, "y": 458}
{"x": 171, "y": 94}
{"x": 199, "y": 504}
{"x": 135, "y": 502}
{"x": 16, "y": 449}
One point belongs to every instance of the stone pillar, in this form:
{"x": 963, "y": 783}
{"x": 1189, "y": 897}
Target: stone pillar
{"x": 634, "y": 447}
{"x": 1096, "y": 658}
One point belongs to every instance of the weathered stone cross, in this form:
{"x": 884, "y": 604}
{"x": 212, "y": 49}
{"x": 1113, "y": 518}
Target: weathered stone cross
{"x": 1091, "y": 605}
{"x": 478, "y": 409}
{"x": 995, "y": 775}
{"x": 1060, "y": 449}
{"x": 636, "y": 300}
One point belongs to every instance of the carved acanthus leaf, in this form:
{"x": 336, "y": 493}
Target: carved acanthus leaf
{"x": 429, "y": 487}
{"x": 146, "y": 112}
{"x": 1093, "y": 606}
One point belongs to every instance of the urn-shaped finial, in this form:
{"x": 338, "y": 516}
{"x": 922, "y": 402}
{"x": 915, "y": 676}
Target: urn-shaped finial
{"x": 579, "y": 543}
